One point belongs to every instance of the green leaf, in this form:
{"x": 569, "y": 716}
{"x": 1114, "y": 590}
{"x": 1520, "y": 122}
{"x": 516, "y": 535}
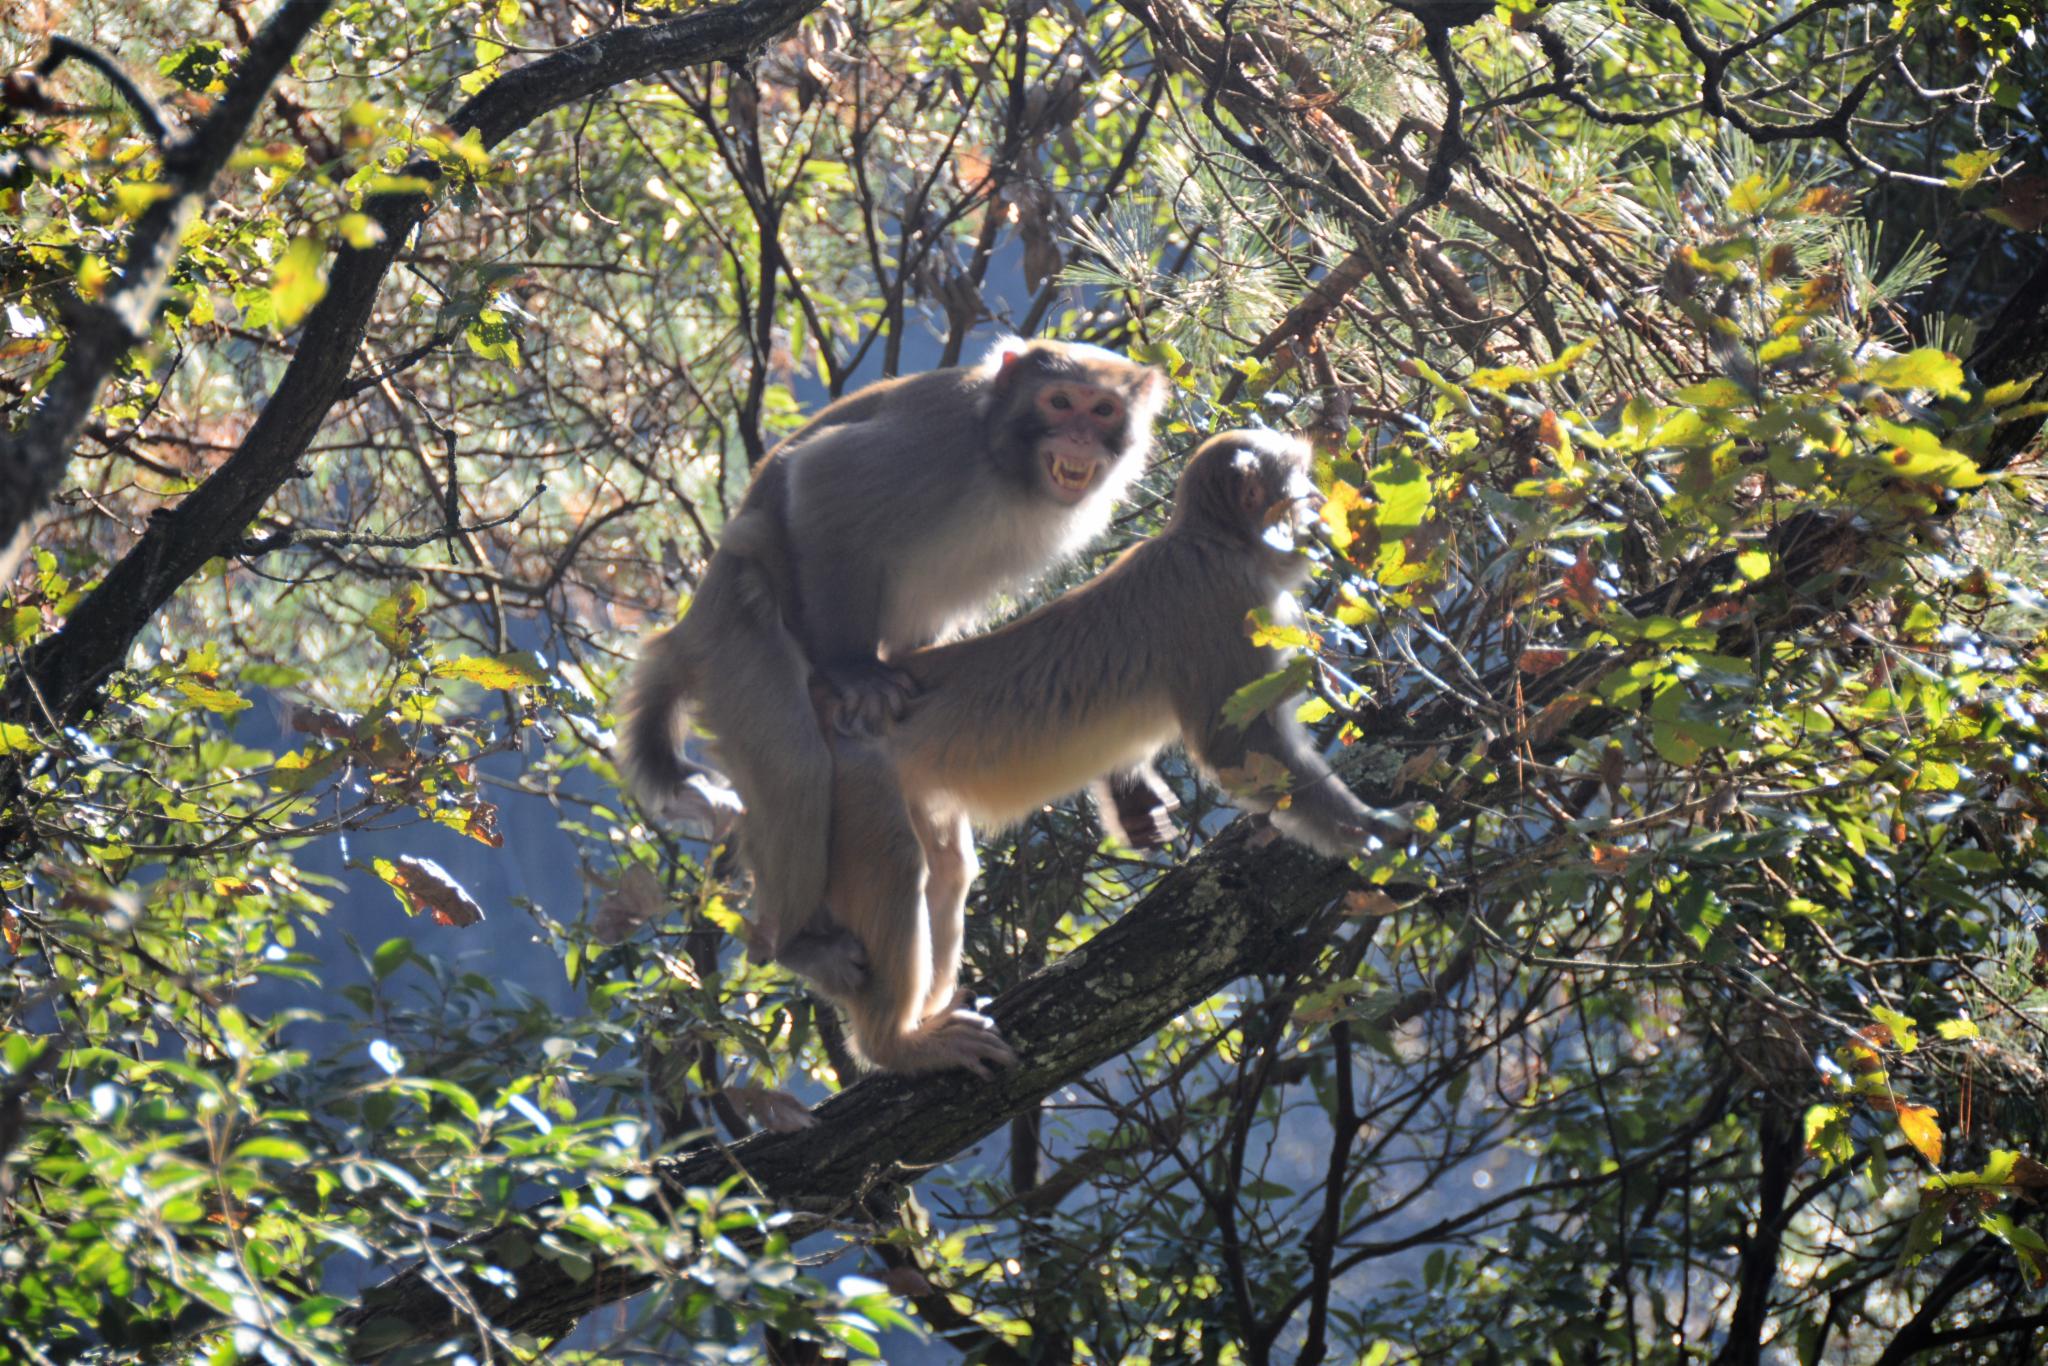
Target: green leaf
{"x": 1751, "y": 196}
{"x": 1256, "y": 698}
{"x": 1925, "y": 368}
{"x": 277, "y": 1149}
{"x": 395, "y": 620}
{"x": 1827, "y": 1135}
{"x": 1903, "y": 1027}
{"x": 492, "y": 337}
{"x": 2028, "y": 1246}
{"x": 520, "y": 669}
{"x": 1716, "y": 393}
{"x": 1753, "y": 564}
{"x": 1919, "y": 454}
{"x": 1967, "y": 168}
{"x": 359, "y": 230}
{"x": 299, "y": 282}
{"x": 391, "y": 955}
{"x": 217, "y": 700}
{"x": 1404, "y": 492}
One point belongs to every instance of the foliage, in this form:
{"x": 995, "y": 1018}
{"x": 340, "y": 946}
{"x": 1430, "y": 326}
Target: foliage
{"x": 1681, "y": 557}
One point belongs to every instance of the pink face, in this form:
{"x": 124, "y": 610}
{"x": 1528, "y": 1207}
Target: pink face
{"x": 1083, "y": 422}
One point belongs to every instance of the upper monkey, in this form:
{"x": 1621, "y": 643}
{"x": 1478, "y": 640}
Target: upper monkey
{"x": 888, "y": 521}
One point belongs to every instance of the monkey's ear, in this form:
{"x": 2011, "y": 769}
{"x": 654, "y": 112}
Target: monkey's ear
{"x": 1001, "y": 360}
{"x": 1251, "y": 486}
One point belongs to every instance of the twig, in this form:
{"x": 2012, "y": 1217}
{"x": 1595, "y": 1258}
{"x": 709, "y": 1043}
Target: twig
{"x": 64, "y": 49}
{"x": 287, "y": 537}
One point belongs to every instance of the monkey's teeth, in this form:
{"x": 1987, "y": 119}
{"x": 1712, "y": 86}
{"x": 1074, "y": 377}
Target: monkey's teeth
{"x": 1072, "y": 476}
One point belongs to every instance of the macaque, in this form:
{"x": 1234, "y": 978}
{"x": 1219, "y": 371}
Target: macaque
{"x": 1100, "y": 679}
{"x": 887, "y": 522}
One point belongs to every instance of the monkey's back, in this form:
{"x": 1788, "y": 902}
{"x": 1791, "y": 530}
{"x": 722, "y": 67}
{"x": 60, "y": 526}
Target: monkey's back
{"x": 1090, "y": 683}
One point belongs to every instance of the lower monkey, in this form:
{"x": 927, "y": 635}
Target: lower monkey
{"x": 1096, "y": 682}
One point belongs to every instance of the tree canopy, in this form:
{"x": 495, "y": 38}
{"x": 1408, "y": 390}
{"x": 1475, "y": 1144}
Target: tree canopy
{"x": 376, "y": 375}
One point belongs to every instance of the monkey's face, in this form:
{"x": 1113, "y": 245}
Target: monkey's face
{"x": 1084, "y": 429}
{"x": 1254, "y": 486}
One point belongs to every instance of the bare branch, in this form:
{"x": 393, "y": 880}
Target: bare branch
{"x": 64, "y": 49}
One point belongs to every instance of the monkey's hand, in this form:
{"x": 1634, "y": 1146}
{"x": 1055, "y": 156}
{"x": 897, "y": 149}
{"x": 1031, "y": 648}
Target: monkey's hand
{"x": 867, "y": 695}
{"x": 1383, "y": 827}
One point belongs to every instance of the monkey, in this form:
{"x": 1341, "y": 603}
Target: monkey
{"x": 1099, "y": 679}
{"x": 887, "y": 522}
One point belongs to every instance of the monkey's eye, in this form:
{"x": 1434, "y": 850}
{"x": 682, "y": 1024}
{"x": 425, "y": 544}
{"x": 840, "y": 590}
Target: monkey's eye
{"x": 1105, "y": 409}
{"x": 1061, "y": 402}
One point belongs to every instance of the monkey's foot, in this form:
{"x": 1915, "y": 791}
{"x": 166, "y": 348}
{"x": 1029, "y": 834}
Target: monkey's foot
{"x": 867, "y": 696}
{"x": 701, "y": 805}
{"x": 1154, "y": 830}
{"x": 959, "y": 1037}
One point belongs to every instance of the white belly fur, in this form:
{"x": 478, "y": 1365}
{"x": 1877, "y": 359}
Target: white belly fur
{"x": 944, "y": 585}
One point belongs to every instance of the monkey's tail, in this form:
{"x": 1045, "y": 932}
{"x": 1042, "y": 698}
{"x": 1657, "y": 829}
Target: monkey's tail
{"x": 653, "y": 723}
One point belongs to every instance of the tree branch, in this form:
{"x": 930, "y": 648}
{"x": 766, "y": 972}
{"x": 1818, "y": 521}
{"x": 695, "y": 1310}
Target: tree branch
{"x": 64, "y": 49}
{"x": 68, "y": 668}
{"x": 1237, "y": 909}
{"x": 33, "y": 459}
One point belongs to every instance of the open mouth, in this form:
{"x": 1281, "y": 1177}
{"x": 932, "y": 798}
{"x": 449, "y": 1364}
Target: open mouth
{"x": 1070, "y": 476}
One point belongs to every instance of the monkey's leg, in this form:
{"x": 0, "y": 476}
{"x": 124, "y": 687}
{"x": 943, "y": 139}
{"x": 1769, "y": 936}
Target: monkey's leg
{"x": 831, "y": 956}
{"x": 951, "y": 866}
{"x": 754, "y": 695}
{"x": 1136, "y": 808}
{"x": 878, "y": 891}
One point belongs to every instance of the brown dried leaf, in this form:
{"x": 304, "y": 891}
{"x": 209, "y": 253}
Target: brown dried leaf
{"x": 1556, "y": 715}
{"x": 428, "y": 886}
{"x": 1366, "y": 902}
{"x": 2022, "y": 204}
{"x": 482, "y": 825}
{"x": 971, "y": 166}
{"x": 907, "y": 1281}
{"x": 1610, "y": 859}
{"x": 1416, "y": 766}
{"x": 637, "y": 899}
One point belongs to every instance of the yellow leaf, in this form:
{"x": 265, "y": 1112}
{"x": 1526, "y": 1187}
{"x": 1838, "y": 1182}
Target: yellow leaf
{"x": 360, "y": 230}
{"x": 299, "y": 283}
{"x": 1922, "y": 1130}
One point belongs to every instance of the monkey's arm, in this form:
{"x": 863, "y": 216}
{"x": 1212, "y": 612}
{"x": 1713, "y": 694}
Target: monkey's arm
{"x": 1271, "y": 765}
{"x": 842, "y": 631}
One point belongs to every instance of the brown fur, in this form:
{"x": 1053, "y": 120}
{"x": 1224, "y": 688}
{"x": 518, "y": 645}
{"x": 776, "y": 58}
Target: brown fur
{"x": 888, "y": 522}
{"x": 1100, "y": 679}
